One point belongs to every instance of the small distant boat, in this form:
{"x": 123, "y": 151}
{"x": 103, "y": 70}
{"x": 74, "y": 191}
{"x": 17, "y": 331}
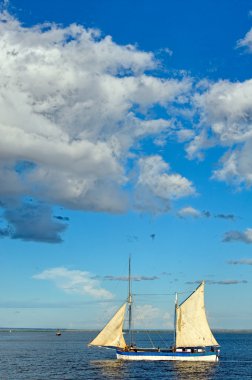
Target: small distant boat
{"x": 58, "y": 332}
{"x": 193, "y": 339}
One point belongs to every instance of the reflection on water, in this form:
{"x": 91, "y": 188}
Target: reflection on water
{"x": 195, "y": 370}
{"x": 41, "y": 355}
{"x": 118, "y": 369}
{"x": 111, "y": 369}
{"x": 108, "y": 365}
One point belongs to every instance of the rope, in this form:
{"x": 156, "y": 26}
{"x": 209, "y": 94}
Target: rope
{"x": 162, "y": 339}
{"x": 151, "y": 342}
{"x": 159, "y": 294}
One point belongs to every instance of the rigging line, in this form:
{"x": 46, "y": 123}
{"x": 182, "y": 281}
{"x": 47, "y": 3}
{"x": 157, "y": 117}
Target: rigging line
{"x": 158, "y": 294}
{"x": 133, "y": 334}
{"x": 151, "y": 341}
{"x": 152, "y": 294}
{"x": 162, "y": 339}
{"x": 146, "y": 332}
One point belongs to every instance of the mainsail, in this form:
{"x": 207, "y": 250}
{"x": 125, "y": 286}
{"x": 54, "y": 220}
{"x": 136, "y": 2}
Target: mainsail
{"x": 192, "y": 327}
{"x": 112, "y": 334}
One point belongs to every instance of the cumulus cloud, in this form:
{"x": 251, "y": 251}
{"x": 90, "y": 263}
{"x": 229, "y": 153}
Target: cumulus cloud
{"x": 185, "y": 134}
{"x": 156, "y": 186}
{"x": 150, "y": 316}
{"x": 245, "y": 236}
{"x": 241, "y": 262}
{"x": 32, "y": 222}
{"x": 146, "y": 312}
{"x": 236, "y": 166}
{"x": 189, "y": 211}
{"x": 73, "y": 105}
{"x": 225, "y": 111}
{"x": 74, "y": 282}
{"x": 226, "y": 108}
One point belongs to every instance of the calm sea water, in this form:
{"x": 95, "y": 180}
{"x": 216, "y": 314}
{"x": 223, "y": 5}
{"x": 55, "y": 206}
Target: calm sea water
{"x": 43, "y": 355}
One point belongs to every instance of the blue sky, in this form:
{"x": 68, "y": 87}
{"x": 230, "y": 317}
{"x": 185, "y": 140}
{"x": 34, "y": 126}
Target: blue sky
{"x": 126, "y": 129}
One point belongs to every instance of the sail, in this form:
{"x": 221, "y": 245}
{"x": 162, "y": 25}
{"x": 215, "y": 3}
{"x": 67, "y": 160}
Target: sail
{"x": 192, "y": 328}
{"x": 112, "y": 335}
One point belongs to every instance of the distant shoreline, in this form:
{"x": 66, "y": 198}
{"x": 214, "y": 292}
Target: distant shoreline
{"x": 26, "y": 329}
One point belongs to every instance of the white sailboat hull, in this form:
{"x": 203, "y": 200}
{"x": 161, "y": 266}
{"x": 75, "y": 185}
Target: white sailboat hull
{"x": 167, "y": 356}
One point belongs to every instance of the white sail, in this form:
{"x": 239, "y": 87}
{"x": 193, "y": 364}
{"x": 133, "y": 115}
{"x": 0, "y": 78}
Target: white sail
{"x": 192, "y": 327}
{"x": 112, "y": 335}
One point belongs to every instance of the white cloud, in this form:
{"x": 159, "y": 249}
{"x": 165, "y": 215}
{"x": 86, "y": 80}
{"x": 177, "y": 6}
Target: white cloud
{"x": 168, "y": 51}
{"x": 145, "y": 313}
{"x": 149, "y": 316}
{"x": 189, "y": 211}
{"x": 226, "y": 118}
{"x": 74, "y": 281}
{"x": 246, "y": 42}
{"x": 168, "y": 320}
{"x": 229, "y": 170}
{"x": 156, "y": 183}
{"x": 185, "y": 134}
{"x": 227, "y": 109}
{"x": 245, "y": 236}
{"x": 70, "y": 102}
{"x": 236, "y": 166}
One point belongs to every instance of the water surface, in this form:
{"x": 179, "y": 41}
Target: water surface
{"x": 43, "y": 355}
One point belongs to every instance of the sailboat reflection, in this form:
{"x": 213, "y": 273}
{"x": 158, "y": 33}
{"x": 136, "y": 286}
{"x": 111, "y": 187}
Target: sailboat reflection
{"x": 111, "y": 369}
{"x": 195, "y": 370}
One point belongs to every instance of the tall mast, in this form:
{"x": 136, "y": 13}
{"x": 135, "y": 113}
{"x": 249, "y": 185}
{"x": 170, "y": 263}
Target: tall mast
{"x": 175, "y": 317}
{"x": 130, "y": 302}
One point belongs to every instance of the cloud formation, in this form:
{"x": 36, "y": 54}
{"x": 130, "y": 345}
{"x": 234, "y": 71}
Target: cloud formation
{"x": 156, "y": 186}
{"x": 225, "y": 112}
{"x": 32, "y": 222}
{"x": 150, "y": 316}
{"x": 245, "y": 236}
{"x": 226, "y": 216}
{"x": 74, "y": 282}
{"x": 220, "y": 282}
{"x": 189, "y": 211}
{"x": 133, "y": 278}
{"x": 241, "y": 262}
{"x": 246, "y": 41}
{"x": 74, "y": 105}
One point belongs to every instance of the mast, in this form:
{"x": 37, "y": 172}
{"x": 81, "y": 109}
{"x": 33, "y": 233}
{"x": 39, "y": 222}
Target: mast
{"x": 130, "y": 302}
{"x": 175, "y": 317}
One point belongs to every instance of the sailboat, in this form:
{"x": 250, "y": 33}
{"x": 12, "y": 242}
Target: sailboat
{"x": 193, "y": 339}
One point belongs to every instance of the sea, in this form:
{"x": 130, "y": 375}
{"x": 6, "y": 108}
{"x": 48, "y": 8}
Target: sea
{"x": 39, "y": 355}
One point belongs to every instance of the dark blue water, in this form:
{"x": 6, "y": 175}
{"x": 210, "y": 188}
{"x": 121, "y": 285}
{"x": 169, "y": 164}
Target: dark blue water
{"x": 43, "y": 355}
